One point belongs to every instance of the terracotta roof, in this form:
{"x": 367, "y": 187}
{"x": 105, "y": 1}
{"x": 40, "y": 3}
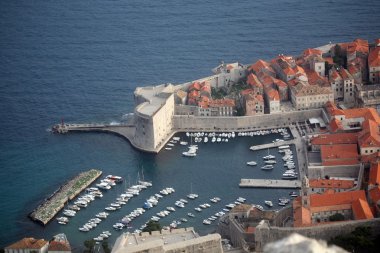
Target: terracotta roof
{"x": 353, "y": 69}
{"x": 246, "y": 92}
{"x": 374, "y": 57}
{"x": 374, "y": 173}
{"x": 339, "y": 154}
{"x": 195, "y": 86}
{"x": 279, "y": 83}
{"x": 315, "y": 79}
{"x": 358, "y": 45}
{"x": 253, "y": 81}
{"x": 335, "y": 125}
{"x": 374, "y": 157}
{"x": 338, "y": 198}
{"x": 311, "y": 51}
{"x": 366, "y": 113}
{"x": 334, "y": 75}
{"x": 222, "y": 102}
{"x": 361, "y": 210}
{"x": 331, "y": 183}
{"x": 265, "y": 79}
{"x": 369, "y": 136}
{"x": 289, "y": 71}
{"x": 374, "y": 194}
{"x": 28, "y": 243}
{"x": 250, "y": 230}
{"x": 329, "y": 60}
{"x": 302, "y": 89}
{"x": 254, "y": 97}
{"x": 230, "y": 66}
{"x": 259, "y": 66}
{"x": 297, "y": 69}
{"x": 345, "y": 74}
{"x": 337, "y": 138}
{"x": 272, "y": 94}
{"x": 59, "y": 246}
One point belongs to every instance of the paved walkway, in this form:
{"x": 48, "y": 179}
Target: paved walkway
{"x": 269, "y": 183}
{"x": 272, "y": 145}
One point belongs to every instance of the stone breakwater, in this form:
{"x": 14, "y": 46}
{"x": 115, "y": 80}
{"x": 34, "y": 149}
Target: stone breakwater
{"x": 53, "y": 204}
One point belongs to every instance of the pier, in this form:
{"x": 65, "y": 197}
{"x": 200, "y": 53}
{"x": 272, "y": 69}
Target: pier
{"x": 272, "y": 145}
{"x": 269, "y": 183}
{"x": 53, "y": 204}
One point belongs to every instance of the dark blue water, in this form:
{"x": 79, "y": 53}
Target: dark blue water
{"x": 81, "y": 61}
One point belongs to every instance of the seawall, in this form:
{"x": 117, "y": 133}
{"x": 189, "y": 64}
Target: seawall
{"x": 53, "y": 204}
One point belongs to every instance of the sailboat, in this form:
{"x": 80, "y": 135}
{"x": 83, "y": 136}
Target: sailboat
{"x": 268, "y": 157}
{"x": 192, "y": 195}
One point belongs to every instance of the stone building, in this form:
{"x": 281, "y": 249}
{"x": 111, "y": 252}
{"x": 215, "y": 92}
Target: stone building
{"x": 28, "y": 245}
{"x": 253, "y": 104}
{"x": 255, "y": 84}
{"x": 305, "y": 96}
{"x": 348, "y": 86}
{"x": 374, "y": 65}
{"x": 272, "y": 99}
{"x": 367, "y": 95}
{"x": 153, "y": 115}
{"x": 336, "y": 82}
{"x": 177, "y": 240}
{"x": 262, "y": 67}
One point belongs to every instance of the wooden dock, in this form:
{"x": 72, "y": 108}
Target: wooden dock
{"x": 269, "y": 183}
{"x": 53, "y": 204}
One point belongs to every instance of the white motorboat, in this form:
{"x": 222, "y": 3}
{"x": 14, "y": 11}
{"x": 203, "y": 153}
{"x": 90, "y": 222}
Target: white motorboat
{"x": 190, "y": 215}
{"x": 261, "y": 208}
{"x": 183, "y": 143}
{"x": 168, "y": 148}
{"x": 176, "y": 138}
{"x": 206, "y": 222}
{"x": 267, "y": 167}
{"x": 189, "y": 154}
{"x": 268, "y": 203}
{"x": 252, "y": 163}
{"x": 241, "y": 199}
{"x": 284, "y": 147}
{"x": 170, "y": 208}
{"x": 270, "y": 162}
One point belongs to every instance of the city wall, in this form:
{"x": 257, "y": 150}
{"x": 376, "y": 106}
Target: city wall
{"x": 244, "y": 123}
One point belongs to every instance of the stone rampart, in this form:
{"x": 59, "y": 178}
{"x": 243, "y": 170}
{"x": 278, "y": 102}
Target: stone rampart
{"x": 193, "y": 123}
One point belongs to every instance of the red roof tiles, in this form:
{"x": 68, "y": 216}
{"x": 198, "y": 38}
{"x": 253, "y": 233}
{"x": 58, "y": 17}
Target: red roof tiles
{"x": 374, "y": 194}
{"x": 361, "y": 210}
{"x": 374, "y": 173}
{"x": 331, "y": 183}
{"x": 338, "y": 138}
{"x": 339, "y": 198}
{"x": 374, "y": 58}
{"x": 339, "y": 154}
{"x": 369, "y": 136}
{"x": 59, "y": 246}
{"x": 28, "y": 243}
{"x": 312, "y": 51}
{"x": 253, "y": 81}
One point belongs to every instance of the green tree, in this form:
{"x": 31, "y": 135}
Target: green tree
{"x": 106, "y": 247}
{"x": 152, "y": 226}
{"x": 360, "y": 240}
{"x": 89, "y": 244}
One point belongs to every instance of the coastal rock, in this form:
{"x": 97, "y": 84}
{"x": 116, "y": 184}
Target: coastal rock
{"x": 296, "y": 243}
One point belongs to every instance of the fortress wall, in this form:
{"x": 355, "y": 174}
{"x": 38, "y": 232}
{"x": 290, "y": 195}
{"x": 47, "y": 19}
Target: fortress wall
{"x": 188, "y": 123}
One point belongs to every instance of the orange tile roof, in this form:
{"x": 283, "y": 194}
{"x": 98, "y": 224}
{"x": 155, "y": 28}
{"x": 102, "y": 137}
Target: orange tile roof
{"x": 259, "y": 66}
{"x": 59, "y": 246}
{"x": 28, "y": 243}
{"x": 254, "y": 97}
{"x": 279, "y": 83}
{"x": 374, "y": 58}
{"x": 315, "y": 79}
{"x": 337, "y": 138}
{"x": 369, "y": 136}
{"x": 297, "y": 69}
{"x": 339, "y": 154}
{"x": 311, "y": 51}
{"x": 361, "y": 210}
{"x": 265, "y": 79}
{"x": 353, "y": 69}
{"x": 246, "y": 92}
{"x": 222, "y": 102}
{"x": 334, "y": 75}
{"x": 374, "y": 173}
{"x": 366, "y": 113}
{"x": 252, "y": 80}
{"x": 335, "y": 125}
{"x": 329, "y": 60}
{"x": 195, "y": 86}
{"x": 289, "y": 71}
{"x": 273, "y": 95}
{"x": 250, "y": 230}
{"x": 359, "y": 45}
{"x": 374, "y": 157}
{"x": 345, "y": 74}
{"x": 374, "y": 194}
{"x": 331, "y": 183}
{"x": 338, "y": 198}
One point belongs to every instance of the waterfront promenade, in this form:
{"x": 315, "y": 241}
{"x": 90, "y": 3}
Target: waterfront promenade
{"x": 269, "y": 183}
{"x": 272, "y": 145}
{"x": 53, "y": 204}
